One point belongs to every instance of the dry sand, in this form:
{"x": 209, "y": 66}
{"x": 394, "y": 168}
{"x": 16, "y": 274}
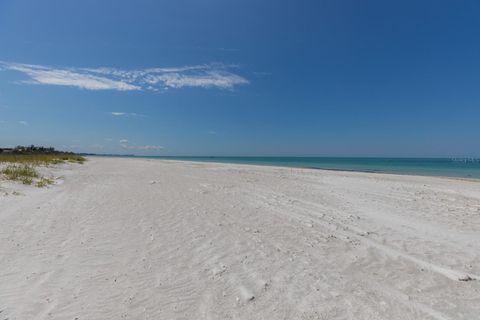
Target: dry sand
{"x": 149, "y": 239}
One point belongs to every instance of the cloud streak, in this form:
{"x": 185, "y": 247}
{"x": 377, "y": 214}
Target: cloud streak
{"x": 150, "y": 148}
{"x": 125, "y": 144}
{"x": 119, "y": 114}
{"x": 218, "y": 76}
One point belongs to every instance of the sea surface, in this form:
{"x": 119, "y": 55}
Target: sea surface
{"x": 460, "y": 168}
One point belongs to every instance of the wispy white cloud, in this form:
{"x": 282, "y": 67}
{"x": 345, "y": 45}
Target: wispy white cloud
{"x": 155, "y": 148}
{"x": 68, "y": 77}
{"x": 124, "y": 143}
{"x": 22, "y": 122}
{"x": 70, "y": 147}
{"x": 207, "y": 79}
{"x": 126, "y": 114}
{"x": 152, "y": 79}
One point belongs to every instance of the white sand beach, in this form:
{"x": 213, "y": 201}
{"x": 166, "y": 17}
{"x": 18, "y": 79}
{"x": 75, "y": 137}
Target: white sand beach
{"x": 120, "y": 238}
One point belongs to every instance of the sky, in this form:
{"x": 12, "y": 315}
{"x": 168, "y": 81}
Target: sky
{"x": 242, "y": 78}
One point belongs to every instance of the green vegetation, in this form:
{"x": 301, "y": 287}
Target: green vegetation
{"x": 43, "y": 182}
{"x": 20, "y": 163}
{"x": 23, "y": 173}
{"x": 41, "y": 159}
{"x": 38, "y": 156}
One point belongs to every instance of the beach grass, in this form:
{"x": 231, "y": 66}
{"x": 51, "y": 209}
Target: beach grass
{"x": 21, "y": 167}
{"x": 23, "y": 173}
{"x": 43, "y": 182}
{"x": 26, "y": 174}
{"x": 40, "y": 158}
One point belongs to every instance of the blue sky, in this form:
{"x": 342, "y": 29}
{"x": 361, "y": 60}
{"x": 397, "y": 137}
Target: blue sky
{"x": 221, "y": 77}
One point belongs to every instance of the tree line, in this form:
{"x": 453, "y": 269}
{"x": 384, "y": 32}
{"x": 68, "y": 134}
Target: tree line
{"x": 32, "y": 149}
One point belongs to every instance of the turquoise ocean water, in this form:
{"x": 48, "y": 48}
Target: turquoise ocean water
{"x": 460, "y": 168}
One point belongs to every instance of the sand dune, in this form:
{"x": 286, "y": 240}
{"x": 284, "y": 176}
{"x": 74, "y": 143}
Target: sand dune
{"x": 149, "y": 239}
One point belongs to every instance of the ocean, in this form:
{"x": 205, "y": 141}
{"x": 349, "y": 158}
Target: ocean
{"x": 460, "y": 168}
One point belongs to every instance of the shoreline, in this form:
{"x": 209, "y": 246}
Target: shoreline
{"x": 272, "y": 164}
{"x": 379, "y": 172}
